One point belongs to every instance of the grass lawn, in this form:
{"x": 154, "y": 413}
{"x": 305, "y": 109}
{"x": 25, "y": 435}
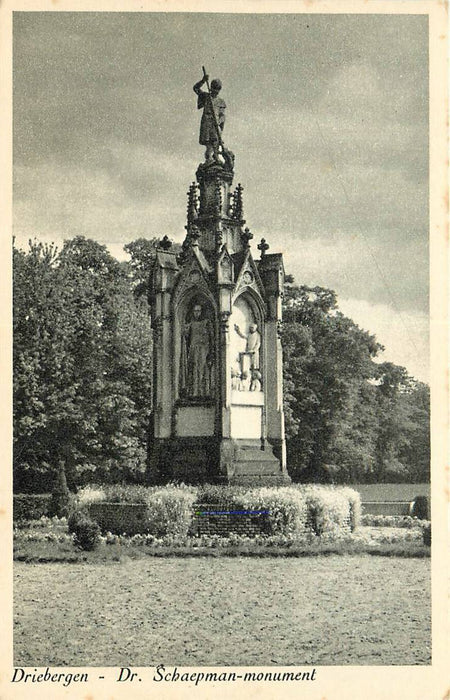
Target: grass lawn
{"x": 329, "y": 610}
{"x": 391, "y": 492}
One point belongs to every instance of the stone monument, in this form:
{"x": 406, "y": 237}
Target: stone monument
{"x": 216, "y": 314}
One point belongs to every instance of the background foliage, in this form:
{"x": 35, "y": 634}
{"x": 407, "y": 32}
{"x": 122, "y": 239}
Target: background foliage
{"x": 83, "y": 378}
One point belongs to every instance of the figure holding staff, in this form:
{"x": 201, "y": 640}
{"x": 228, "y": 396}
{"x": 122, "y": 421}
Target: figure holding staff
{"x": 213, "y": 118}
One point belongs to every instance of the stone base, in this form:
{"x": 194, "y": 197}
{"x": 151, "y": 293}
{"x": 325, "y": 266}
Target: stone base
{"x": 197, "y": 460}
{"x": 193, "y": 460}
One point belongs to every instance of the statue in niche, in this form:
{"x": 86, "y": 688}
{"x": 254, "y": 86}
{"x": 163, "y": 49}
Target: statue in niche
{"x": 197, "y": 354}
{"x": 253, "y": 345}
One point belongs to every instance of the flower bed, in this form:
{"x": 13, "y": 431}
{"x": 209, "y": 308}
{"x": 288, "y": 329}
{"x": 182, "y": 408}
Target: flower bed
{"x": 405, "y": 521}
{"x": 221, "y": 510}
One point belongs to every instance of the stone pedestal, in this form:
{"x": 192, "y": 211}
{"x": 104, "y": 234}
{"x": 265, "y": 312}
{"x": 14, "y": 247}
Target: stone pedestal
{"x": 217, "y": 396}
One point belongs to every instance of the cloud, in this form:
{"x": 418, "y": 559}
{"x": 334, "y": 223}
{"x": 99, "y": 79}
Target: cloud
{"x": 106, "y": 204}
{"x": 327, "y": 115}
{"x": 405, "y": 335}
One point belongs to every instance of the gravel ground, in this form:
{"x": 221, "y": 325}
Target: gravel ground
{"x": 333, "y": 610}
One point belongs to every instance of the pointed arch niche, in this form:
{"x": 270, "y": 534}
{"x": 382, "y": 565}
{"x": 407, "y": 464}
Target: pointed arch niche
{"x": 247, "y": 356}
{"x": 184, "y": 315}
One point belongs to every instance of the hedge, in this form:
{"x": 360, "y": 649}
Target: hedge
{"x": 30, "y": 506}
{"x": 169, "y": 510}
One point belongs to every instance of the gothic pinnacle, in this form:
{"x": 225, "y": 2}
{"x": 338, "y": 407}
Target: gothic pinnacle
{"x": 238, "y": 208}
{"x": 192, "y": 210}
{"x": 218, "y": 199}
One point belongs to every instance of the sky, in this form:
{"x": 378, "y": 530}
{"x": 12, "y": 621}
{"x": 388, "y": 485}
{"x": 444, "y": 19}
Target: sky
{"x": 327, "y": 116}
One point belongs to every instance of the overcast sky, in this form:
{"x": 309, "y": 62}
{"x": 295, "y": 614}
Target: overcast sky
{"x": 327, "y": 116}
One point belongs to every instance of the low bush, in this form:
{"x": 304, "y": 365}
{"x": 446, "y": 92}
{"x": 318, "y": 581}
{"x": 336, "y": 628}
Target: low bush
{"x": 170, "y": 509}
{"x": 91, "y": 494}
{"x": 30, "y": 506}
{"x": 220, "y": 493}
{"x": 86, "y": 532}
{"x": 331, "y": 511}
{"x": 287, "y": 508}
{"x": 126, "y": 493}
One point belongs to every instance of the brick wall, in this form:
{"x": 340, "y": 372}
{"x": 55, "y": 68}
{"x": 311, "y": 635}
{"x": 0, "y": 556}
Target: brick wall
{"x": 129, "y": 518}
{"x": 209, "y": 523}
{"x": 119, "y": 518}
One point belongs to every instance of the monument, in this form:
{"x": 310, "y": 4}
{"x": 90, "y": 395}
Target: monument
{"x": 216, "y": 314}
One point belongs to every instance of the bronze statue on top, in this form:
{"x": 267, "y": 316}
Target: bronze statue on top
{"x": 213, "y": 122}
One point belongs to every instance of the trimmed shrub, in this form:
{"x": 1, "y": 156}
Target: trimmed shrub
{"x": 426, "y": 533}
{"x": 86, "y": 532}
{"x": 126, "y": 493}
{"x": 287, "y": 508}
{"x": 169, "y": 510}
{"x": 30, "y": 506}
{"x": 329, "y": 510}
{"x": 420, "y": 508}
{"x": 60, "y": 500}
{"x": 220, "y": 493}
{"x": 354, "y": 501}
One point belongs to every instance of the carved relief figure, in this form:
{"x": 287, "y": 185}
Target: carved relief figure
{"x": 244, "y": 383}
{"x": 235, "y": 379}
{"x": 253, "y": 345}
{"x": 255, "y": 384}
{"x": 197, "y": 350}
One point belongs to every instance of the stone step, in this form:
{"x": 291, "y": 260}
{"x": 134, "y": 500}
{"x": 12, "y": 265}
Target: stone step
{"x": 257, "y": 468}
{"x": 255, "y": 456}
{"x": 251, "y": 451}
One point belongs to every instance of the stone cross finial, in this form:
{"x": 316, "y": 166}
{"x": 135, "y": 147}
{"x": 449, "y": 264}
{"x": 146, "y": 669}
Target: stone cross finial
{"x": 165, "y": 243}
{"x": 263, "y": 247}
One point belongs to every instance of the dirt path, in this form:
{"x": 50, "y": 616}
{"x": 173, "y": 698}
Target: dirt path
{"x": 319, "y": 611}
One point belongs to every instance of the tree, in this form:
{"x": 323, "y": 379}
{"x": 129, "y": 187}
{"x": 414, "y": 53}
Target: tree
{"x": 416, "y": 454}
{"x": 82, "y": 366}
{"x": 347, "y": 417}
{"x": 43, "y": 392}
{"x": 328, "y": 364}
{"x": 142, "y": 254}
{"x": 83, "y": 378}
{"x": 403, "y": 442}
